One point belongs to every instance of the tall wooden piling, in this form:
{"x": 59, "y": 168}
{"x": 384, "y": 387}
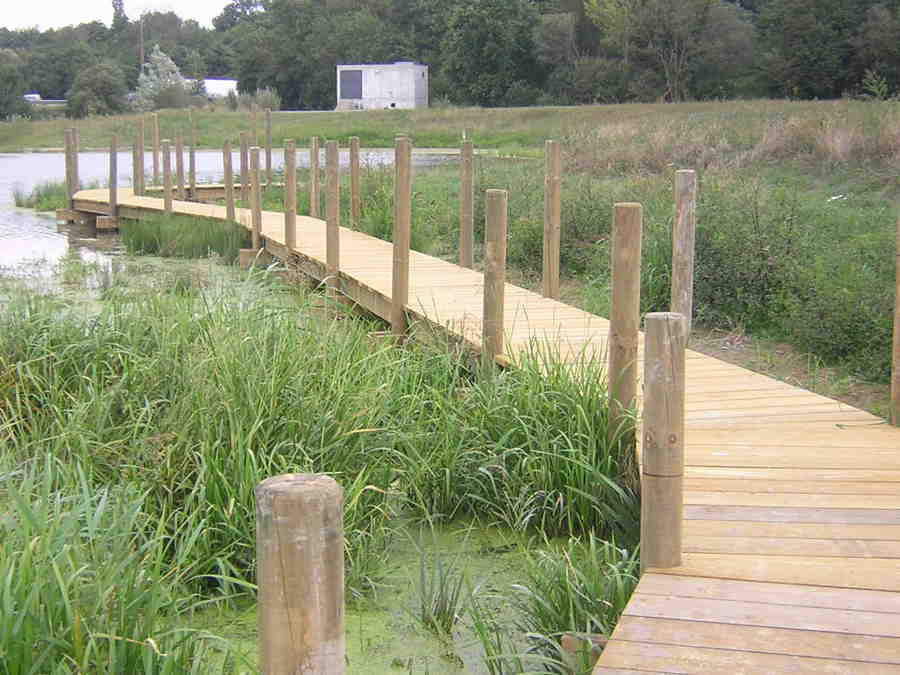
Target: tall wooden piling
{"x": 255, "y": 199}
{"x": 333, "y": 216}
{"x": 139, "y": 185}
{"x": 113, "y": 177}
{"x": 314, "y": 177}
{"x": 663, "y": 447}
{"x": 495, "y": 228}
{"x": 268, "y": 146}
{"x": 467, "y": 205}
{"x": 155, "y": 123}
{"x": 683, "y": 245}
{"x": 552, "y": 218}
{"x": 179, "y": 165}
{"x": 402, "y": 235}
{"x": 355, "y": 195}
{"x": 76, "y": 151}
{"x": 245, "y": 167}
{"x": 71, "y": 185}
{"x": 300, "y": 571}
{"x": 254, "y": 124}
{"x": 192, "y": 163}
{"x": 167, "y": 175}
{"x": 625, "y": 313}
{"x": 228, "y": 179}
{"x": 895, "y": 371}
{"x": 290, "y": 195}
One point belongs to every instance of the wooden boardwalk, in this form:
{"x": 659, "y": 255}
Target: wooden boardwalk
{"x": 792, "y": 500}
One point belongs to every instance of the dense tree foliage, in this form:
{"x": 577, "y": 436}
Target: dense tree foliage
{"x": 495, "y": 52}
{"x": 98, "y": 90}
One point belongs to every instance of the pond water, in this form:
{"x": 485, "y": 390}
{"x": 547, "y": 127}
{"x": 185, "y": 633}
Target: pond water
{"x": 31, "y": 241}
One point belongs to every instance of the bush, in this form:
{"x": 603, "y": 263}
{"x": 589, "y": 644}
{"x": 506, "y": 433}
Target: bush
{"x": 97, "y": 90}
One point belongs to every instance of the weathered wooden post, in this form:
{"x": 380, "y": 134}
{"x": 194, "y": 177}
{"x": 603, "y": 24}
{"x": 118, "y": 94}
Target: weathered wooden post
{"x": 255, "y": 124}
{"x": 245, "y": 168}
{"x": 467, "y": 205}
{"x": 139, "y": 185}
{"x": 290, "y": 195}
{"x": 255, "y": 199}
{"x": 192, "y": 163}
{"x": 314, "y": 177}
{"x": 113, "y": 178}
{"x": 552, "y": 218}
{"x": 663, "y": 446}
{"x": 683, "y": 245}
{"x": 333, "y": 218}
{"x": 494, "y": 275}
{"x": 71, "y": 185}
{"x": 179, "y": 165}
{"x": 167, "y": 175}
{"x": 156, "y": 146}
{"x": 895, "y": 371}
{"x": 268, "y": 146}
{"x": 402, "y": 236}
{"x": 300, "y": 571}
{"x": 355, "y": 196}
{"x": 76, "y": 151}
{"x": 228, "y": 178}
{"x": 625, "y": 313}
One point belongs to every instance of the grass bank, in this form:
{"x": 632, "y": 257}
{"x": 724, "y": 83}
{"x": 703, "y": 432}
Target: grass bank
{"x": 134, "y": 430}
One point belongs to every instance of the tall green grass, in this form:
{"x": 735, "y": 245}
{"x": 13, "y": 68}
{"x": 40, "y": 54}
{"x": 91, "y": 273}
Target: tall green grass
{"x": 46, "y": 196}
{"x": 184, "y": 237}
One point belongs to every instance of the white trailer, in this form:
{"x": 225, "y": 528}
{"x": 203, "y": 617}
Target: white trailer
{"x": 378, "y": 86}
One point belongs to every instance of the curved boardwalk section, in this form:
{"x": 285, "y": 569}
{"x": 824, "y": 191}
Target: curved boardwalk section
{"x": 792, "y": 500}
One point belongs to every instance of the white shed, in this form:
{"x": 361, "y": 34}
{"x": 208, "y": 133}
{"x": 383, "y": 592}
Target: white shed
{"x": 376, "y": 86}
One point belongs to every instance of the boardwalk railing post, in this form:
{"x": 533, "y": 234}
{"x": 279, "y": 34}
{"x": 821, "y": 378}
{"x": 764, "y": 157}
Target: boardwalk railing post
{"x": 663, "y": 446}
{"x": 683, "y": 245}
{"x": 402, "y": 235}
{"x": 494, "y": 275}
{"x": 156, "y": 150}
{"x": 71, "y": 186}
{"x": 314, "y": 177}
{"x": 290, "y": 195}
{"x": 300, "y": 570}
{"x": 167, "y": 175}
{"x": 139, "y": 186}
{"x": 552, "y": 218}
{"x": 355, "y": 196}
{"x": 179, "y": 164}
{"x": 192, "y": 163}
{"x": 625, "y": 314}
{"x": 228, "y": 179}
{"x": 245, "y": 168}
{"x": 254, "y": 123}
{"x": 895, "y": 370}
{"x": 113, "y": 177}
{"x": 255, "y": 199}
{"x": 333, "y": 217}
{"x": 268, "y": 146}
{"x": 466, "y": 205}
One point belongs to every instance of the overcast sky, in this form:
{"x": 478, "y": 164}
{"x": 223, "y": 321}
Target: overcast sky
{"x": 57, "y": 13}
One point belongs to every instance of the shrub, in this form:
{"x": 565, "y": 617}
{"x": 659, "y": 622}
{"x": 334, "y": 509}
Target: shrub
{"x": 97, "y": 90}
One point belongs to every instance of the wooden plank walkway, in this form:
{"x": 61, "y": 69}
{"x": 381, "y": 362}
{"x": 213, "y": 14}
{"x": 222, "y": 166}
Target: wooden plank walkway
{"x": 792, "y": 500}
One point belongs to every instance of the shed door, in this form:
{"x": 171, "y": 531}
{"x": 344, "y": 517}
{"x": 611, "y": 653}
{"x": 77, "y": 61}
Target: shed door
{"x": 351, "y": 84}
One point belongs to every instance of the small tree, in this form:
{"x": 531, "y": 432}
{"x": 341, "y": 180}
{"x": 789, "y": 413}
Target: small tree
{"x": 97, "y": 90}
{"x": 12, "y": 85}
{"x": 160, "y": 83}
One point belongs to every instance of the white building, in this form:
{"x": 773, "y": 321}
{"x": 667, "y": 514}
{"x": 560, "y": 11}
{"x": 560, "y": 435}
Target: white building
{"x": 382, "y": 85}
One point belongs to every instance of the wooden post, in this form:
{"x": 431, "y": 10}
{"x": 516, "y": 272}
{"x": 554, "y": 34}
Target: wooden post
{"x": 355, "y": 196}
{"x": 141, "y": 144}
{"x": 552, "y": 218}
{"x": 229, "y": 182}
{"x": 663, "y": 446}
{"x": 290, "y": 195}
{"x": 192, "y": 164}
{"x": 494, "y": 275}
{"x": 314, "y": 177}
{"x": 76, "y": 150}
{"x": 179, "y": 165}
{"x": 155, "y": 119}
{"x": 245, "y": 168}
{"x": 71, "y": 187}
{"x": 625, "y": 313}
{"x": 683, "y": 245}
{"x": 467, "y": 205}
{"x": 167, "y": 175}
{"x": 268, "y": 146}
{"x": 402, "y": 235}
{"x": 255, "y": 124}
{"x": 113, "y": 177}
{"x": 255, "y": 198}
{"x": 333, "y": 217}
{"x": 895, "y": 371}
{"x": 300, "y": 571}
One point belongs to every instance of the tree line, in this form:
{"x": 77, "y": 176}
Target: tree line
{"x": 496, "y": 52}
